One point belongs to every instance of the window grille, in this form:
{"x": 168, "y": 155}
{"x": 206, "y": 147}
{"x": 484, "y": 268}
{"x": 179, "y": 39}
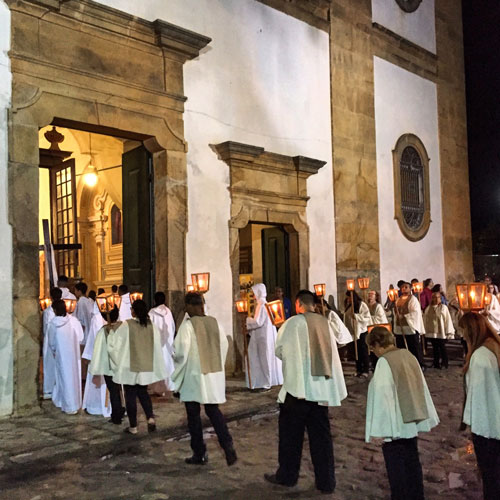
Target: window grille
{"x": 412, "y": 188}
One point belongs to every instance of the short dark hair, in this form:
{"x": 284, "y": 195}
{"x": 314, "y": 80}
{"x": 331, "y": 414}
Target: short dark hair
{"x": 159, "y": 298}
{"x": 427, "y": 282}
{"x": 414, "y": 280}
{"x": 380, "y": 335}
{"x": 92, "y": 295}
{"x": 62, "y": 279}
{"x": 114, "y": 289}
{"x": 141, "y": 311}
{"x": 436, "y": 288}
{"x": 59, "y": 307}
{"x": 193, "y": 299}
{"x": 81, "y": 287}
{"x": 401, "y": 283}
{"x": 305, "y": 297}
{"x": 100, "y": 291}
{"x": 113, "y": 314}
{"x": 123, "y": 289}
{"x": 55, "y": 294}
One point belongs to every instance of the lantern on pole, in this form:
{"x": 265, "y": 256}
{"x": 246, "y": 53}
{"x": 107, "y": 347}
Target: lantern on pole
{"x": 190, "y": 288}
{"x": 487, "y": 299}
{"x": 201, "y": 282}
{"x": 276, "y": 312}
{"x": 70, "y": 305}
{"x": 418, "y": 287}
{"x": 350, "y": 288}
{"x": 106, "y": 303}
{"x": 392, "y": 293}
{"x": 471, "y": 296}
{"x": 320, "y": 290}
{"x": 242, "y": 308}
{"x": 45, "y": 303}
{"x": 364, "y": 284}
{"x": 135, "y": 296}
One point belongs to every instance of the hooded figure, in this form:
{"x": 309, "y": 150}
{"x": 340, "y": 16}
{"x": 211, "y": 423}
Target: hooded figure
{"x": 125, "y": 312}
{"x": 65, "y": 334}
{"x": 49, "y": 364}
{"x": 162, "y": 318}
{"x": 265, "y": 367}
{"x": 94, "y": 396}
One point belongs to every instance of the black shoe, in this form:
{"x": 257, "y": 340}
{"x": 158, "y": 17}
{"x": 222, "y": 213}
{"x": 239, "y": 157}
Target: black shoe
{"x": 116, "y": 422}
{"x": 151, "y": 427}
{"x": 271, "y": 478}
{"x": 231, "y": 456}
{"x": 194, "y": 460}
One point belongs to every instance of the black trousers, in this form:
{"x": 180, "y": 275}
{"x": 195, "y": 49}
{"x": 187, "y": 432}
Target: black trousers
{"x": 363, "y": 361}
{"x": 488, "y": 460}
{"x": 414, "y": 346}
{"x": 403, "y": 469}
{"x": 296, "y": 415}
{"x": 196, "y": 429}
{"x": 132, "y": 392}
{"x": 117, "y": 410}
{"x": 440, "y": 353}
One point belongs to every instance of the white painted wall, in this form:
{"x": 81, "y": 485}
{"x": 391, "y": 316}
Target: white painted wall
{"x": 406, "y": 103}
{"x": 6, "y": 340}
{"x": 264, "y": 80}
{"x": 419, "y": 27}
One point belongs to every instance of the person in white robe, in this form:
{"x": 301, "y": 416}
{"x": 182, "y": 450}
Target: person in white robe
{"x": 438, "y": 328}
{"x": 84, "y": 309}
{"x": 358, "y": 325}
{"x": 492, "y": 311}
{"x": 65, "y": 334}
{"x": 482, "y": 402}
{"x": 162, "y": 318}
{"x": 126, "y": 304}
{"x": 399, "y": 407}
{"x": 136, "y": 360}
{"x": 200, "y": 353}
{"x": 409, "y": 322}
{"x": 341, "y": 332}
{"x": 377, "y": 311}
{"x": 49, "y": 364}
{"x": 100, "y": 367}
{"x": 312, "y": 381}
{"x": 95, "y": 398}
{"x": 265, "y": 368}
{"x": 62, "y": 283}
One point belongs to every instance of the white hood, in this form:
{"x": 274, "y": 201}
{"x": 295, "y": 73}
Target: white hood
{"x": 260, "y": 293}
{"x": 161, "y": 310}
{"x": 61, "y": 320}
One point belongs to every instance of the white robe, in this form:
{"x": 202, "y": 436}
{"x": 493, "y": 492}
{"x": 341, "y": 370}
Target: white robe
{"x": 94, "y": 396}
{"x": 292, "y": 347}
{"x": 65, "y": 334}
{"x": 66, "y": 294}
{"x": 342, "y": 334}
{"x": 119, "y": 355}
{"x": 378, "y": 316}
{"x": 192, "y": 385}
{"x": 413, "y": 318}
{"x": 493, "y": 313}
{"x": 439, "y": 326}
{"x": 265, "y": 368}
{"x": 49, "y": 363}
{"x": 482, "y": 405}
{"x": 161, "y": 316}
{"x": 125, "y": 305}
{"x": 383, "y": 413}
{"x": 363, "y": 319}
{"x": 83, "y": 312}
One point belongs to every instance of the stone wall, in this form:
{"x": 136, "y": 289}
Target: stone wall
{"x": 313, "y": 12}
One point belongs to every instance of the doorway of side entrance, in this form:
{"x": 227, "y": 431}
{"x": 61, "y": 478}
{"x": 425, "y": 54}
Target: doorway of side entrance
{"x": 96, "y": 200}
{"x": 269, "y": 255}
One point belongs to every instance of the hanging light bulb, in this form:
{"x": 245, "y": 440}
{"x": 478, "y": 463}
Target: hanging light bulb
{"x": 90, "y": 175}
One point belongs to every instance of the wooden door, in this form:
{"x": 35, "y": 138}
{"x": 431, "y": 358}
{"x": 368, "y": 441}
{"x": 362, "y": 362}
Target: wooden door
{"x": 138, "y": 238}
{"x": 275, "y": 260}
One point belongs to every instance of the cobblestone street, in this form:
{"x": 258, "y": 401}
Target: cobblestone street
{"x": 83, "y": 457}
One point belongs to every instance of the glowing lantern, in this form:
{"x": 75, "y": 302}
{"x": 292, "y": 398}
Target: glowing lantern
{"x": 320, "y": 289}
{"x": 388, "y": 326}
{"x": 106, "y": 303}
{"x": 363, "y": 283}
{"x": 392, "y": 293}
{"x": 471, "y": 296}
{"x": 70, "y": 305}
{"x": 487, "y": 299}
{"x": 45, "y": 303}
{"x": 350, "y": 285}
{"x": 242, "y": 306}
{"x": 276, "y": 312}
{"x": 201, "y": 282}
{"x": 102, "y": 303}
{"x": 190, "y": 288}
{"x": 135, "y": 296}
{"x": 417, "y": 287}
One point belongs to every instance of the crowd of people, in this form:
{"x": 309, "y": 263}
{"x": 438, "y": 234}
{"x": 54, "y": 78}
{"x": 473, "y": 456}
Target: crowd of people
{"x": 133, "y": 349}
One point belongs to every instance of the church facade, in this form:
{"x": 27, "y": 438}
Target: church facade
{"x": 291, "y": 142}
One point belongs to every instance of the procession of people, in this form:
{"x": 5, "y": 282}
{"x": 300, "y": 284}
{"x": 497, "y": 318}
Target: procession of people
{"x": 133, "y": 352}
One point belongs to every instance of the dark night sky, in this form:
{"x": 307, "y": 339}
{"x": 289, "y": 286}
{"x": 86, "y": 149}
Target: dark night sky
{"x": 481, "y": 19}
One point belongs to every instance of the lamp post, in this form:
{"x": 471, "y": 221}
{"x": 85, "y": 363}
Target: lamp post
{"x": 392, "y": 293}
{"x": 471, "y": 296}
{"x": 320, "y": 290}
{"x": 350, "y": 288}
{"x": 242, "y": 308}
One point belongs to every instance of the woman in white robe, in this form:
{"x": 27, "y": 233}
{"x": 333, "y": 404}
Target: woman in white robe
{"x": 482, "y": 403}
{"x": 162, "y": 318}
{"x": 377, "y": 311}
{"x": 265, "y": 367}
{"x": 65, "y": 334}
{"x": 95, "y": 400}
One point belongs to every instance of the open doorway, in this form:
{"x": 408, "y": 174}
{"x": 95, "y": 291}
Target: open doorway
{"x": 96, "y": 198}
{"x": 268, "y": 254}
